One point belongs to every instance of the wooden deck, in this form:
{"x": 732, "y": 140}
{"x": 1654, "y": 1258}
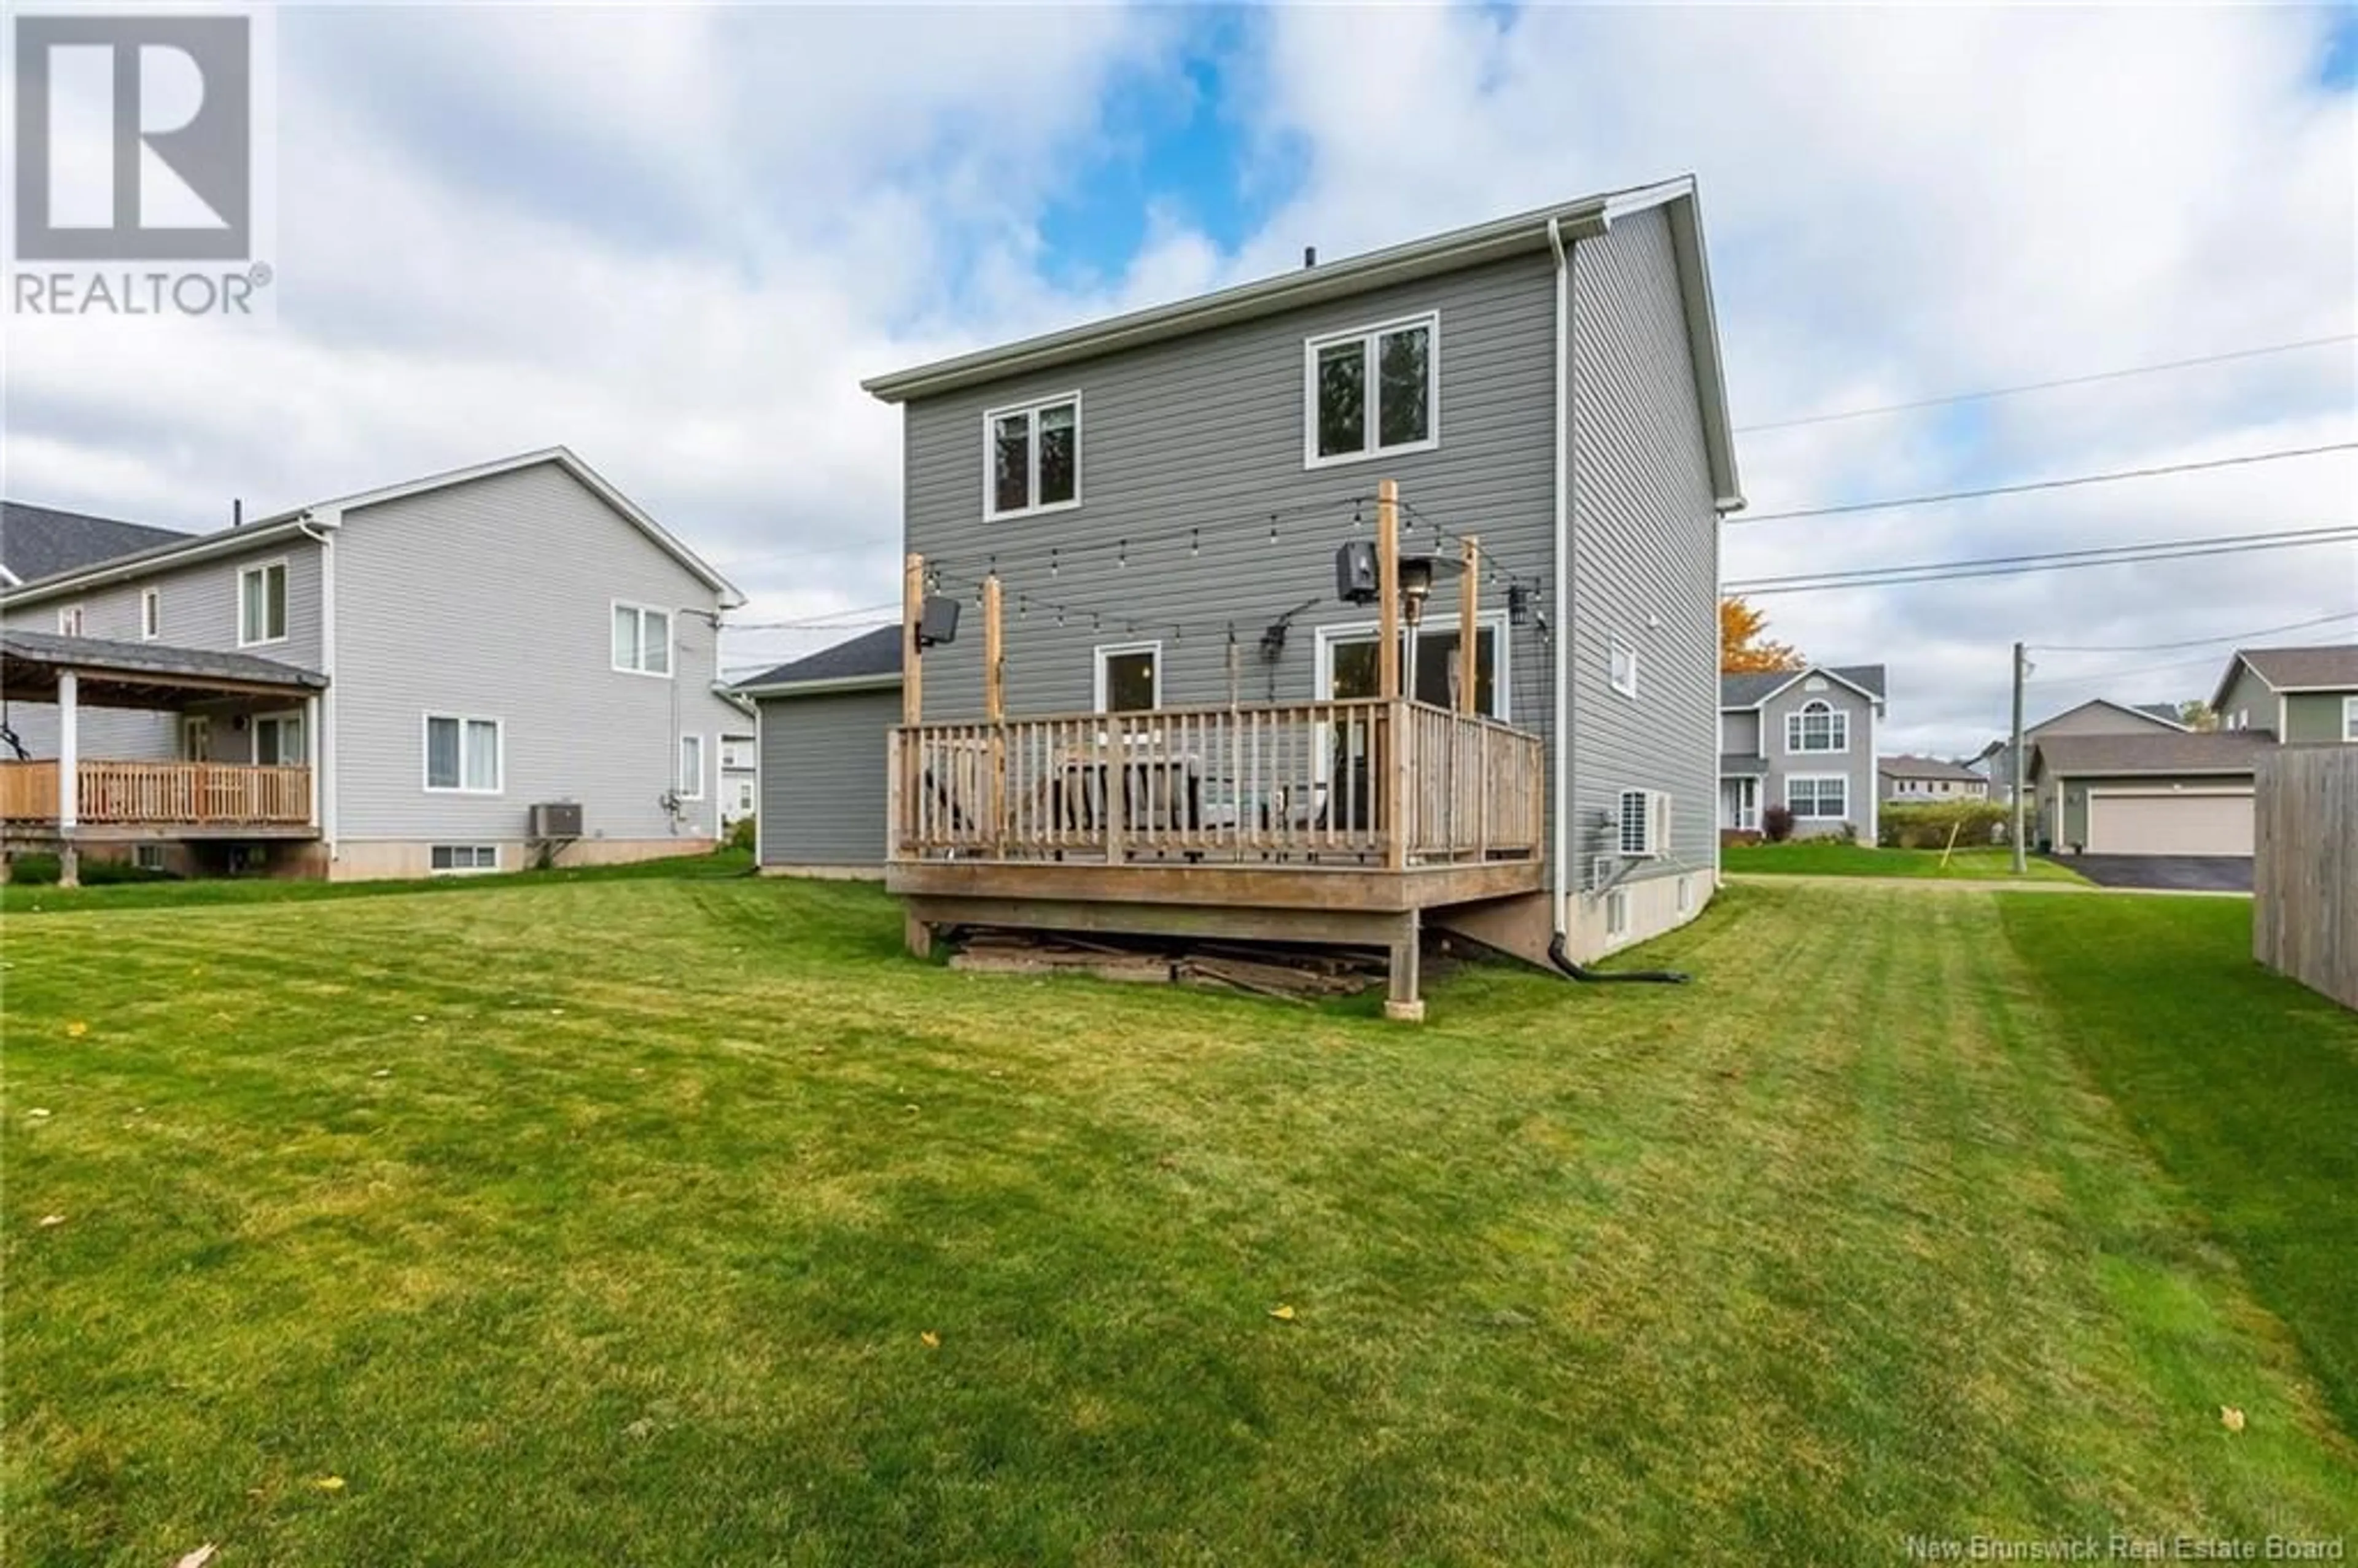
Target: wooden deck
{"x": 116, "y": 799}
{"x": 1331, "y": 822}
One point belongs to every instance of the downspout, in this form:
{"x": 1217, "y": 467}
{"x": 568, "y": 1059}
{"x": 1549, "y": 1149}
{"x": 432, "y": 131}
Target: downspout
{"x": 1560, "y": 869}
{"x": 323, "y": 744}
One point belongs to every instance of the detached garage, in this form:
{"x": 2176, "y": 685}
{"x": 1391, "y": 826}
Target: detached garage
{"x": 2162, "y": 794}
{"x": 823, "y": 727}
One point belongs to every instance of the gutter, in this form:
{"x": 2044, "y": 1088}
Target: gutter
{"x": 323, "y": 531}
{"x": 1560, "y": 850}
{"x": 123, "y": 568}
{"x": 838, "y": 683}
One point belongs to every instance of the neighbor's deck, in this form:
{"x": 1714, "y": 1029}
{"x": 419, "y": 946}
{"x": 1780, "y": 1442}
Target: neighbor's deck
{"x": 160, "y": 799}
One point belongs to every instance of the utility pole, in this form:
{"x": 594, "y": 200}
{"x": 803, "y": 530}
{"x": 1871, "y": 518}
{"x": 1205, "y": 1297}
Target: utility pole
{"x": 2021, "y": 767}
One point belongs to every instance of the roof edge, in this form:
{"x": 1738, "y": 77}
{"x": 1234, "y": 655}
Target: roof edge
{"x": 826, "y": 684}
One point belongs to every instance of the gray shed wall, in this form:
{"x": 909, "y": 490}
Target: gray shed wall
{"x": 823, "y": 777}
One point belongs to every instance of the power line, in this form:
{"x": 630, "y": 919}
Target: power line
{"x": 2202, "y": 641}
{"x": 2065, "y": 483}
{"x": 2045, "y": 386}
{"x": 2101, "y": 677}
{"x": 2066, "y": 560}
{"x": 2043, "y": 555}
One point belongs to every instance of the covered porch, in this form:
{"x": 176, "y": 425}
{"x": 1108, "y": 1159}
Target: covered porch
{"x": 73, "y": 799}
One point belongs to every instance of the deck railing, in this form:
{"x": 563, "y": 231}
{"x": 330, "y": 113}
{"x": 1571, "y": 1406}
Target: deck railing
{"x": 1363, "y": 780}
{"x": 163, "y": 794}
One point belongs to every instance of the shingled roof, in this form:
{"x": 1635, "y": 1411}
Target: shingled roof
{"x": 873, "y": 658}
{"x": 2218, "y": 751}
{"x": 2290, "y": 669}
{"x": 42, "y": 541}
{"x": 1752, "y": 688}
{"x": 1905, "y": 766}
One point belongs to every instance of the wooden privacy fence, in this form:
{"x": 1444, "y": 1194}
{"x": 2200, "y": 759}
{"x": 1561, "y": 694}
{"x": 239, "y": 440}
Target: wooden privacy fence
{"x": 2305, "y": 868}
{"x": 160, "y": 793}
{"x": 1394, "y": 783}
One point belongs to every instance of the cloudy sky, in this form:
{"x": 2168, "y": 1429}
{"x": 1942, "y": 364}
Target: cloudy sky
{"x": 676, "y": 239}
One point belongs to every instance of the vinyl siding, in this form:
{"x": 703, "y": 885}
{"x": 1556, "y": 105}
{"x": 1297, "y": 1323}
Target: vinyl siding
{"x": 1645, "y": 566}
{"x": 198, "y": 609}
{"x": 494, "y": 599}
{"x": 1739, "y": 734}
{"x": 1206, "y": 433}
{"x": 823, "y": 777}
{"x": 2253, "y": 698}
{"x": 2312, "y": 716}
{"x": 1855, "y": 764}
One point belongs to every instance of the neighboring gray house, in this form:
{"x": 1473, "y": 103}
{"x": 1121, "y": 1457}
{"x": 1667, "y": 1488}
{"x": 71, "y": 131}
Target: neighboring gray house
{"x": 822, "y": 724}
{"x": 1803, "y": 739}
{"x": 2107, "y": 787}
{"x": 2098, "y": 716}
{"x": 1928, "y": 780}
{"x": 482, "y": 642}
{"x": 1155, "y": 490}
{"x": 43, "y": 541}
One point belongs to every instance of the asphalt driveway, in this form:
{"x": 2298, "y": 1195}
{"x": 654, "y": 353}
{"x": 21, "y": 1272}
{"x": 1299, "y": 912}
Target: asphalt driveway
{"x": 2167, "y": 873}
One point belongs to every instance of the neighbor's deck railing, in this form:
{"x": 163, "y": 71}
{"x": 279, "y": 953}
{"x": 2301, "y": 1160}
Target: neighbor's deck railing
{"x": 1368, "y": 781}
{"x": 197, "y": 794}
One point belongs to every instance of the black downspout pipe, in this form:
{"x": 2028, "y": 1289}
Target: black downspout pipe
{"x": 1562, "y": 960}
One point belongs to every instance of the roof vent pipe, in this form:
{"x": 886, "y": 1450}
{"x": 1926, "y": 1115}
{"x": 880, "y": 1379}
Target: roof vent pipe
{"x": 237, "y": 511}
{"x": 1309, "y": 255}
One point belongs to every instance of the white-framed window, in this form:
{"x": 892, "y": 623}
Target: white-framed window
{"x": 151, "y": 613}
{"x": 1371, "y": 391}
{"x": 1817, "y": 726}
{"x": 737, "y": 752}
{"x": 1686, "y": 894}
{"x": 642, "y": 639}
{"x": 744, "y": 797}
{"x": 1818, "y": 797}
{"x": 1032, "y": 457}
{"x": 1621, "y": 666}
{"x": 262, "y": 604}
{"x": 148, "y": 857}
{"x": 277, "y": 741}
{"x": 463, "y": 860}
{"x": 70, "y": 619}
{"x": 1129, "y": 677}
{"x": 464, "y": 754}
{"x": 691, "y": 767}
{"x": 1617, "y": 912}
{"x": 2350, "y": 719}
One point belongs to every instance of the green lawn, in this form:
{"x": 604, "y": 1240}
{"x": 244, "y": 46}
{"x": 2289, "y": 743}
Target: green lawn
{"x": 1824, "y": 858}
{"x": 594, "y": 1220}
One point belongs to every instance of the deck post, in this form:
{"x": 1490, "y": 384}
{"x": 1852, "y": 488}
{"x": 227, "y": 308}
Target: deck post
{"x": 1406, "y": 1002}
{"x": 994, "y": 707}
{"x": 918, "y": 935}
{"x": 913, "y": 615}
{"x": 1387, "y": 773}
{"x": 69, "y": 777}
{"x": 311, "y": 754}
{"x": 1469, "y": 634}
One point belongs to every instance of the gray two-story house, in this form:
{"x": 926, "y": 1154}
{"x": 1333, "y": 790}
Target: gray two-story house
{"x": 384, "y": 684}
{"x": 1805, "y": 740}
{"x": 1194, "y": 705}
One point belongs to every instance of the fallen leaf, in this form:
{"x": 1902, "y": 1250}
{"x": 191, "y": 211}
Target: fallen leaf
{"x": 417, "y": 1017}
{"x": 50, "y": 1219}
{"x": 198, "y": 1558}
{"x": 330, "y": 1483}
{"x": 38, "y": 1113}
{"x": 1282, "y": 1313}
{"x": 910, "y": 1108}
{"x": 642, "y": 1427}
{"x": 932, "y": 1341}
{"x": 382, "y": 1073}
{"x": 555, "y": 1012}
{"x": 77, "y": 1029}
{"x": 2231, "y": 1418}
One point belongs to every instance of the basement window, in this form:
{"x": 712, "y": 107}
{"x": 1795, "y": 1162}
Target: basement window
{"x": 461, "y": 860}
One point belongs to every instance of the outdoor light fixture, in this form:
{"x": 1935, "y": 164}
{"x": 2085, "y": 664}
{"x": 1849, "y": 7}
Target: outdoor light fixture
{"x": 1519, "y": 604}
{"x": 937, "y": 621}
{"x": 1416, "y": 574}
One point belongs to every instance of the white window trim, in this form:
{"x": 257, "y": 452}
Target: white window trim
{"x": 426, "y": 753}
{"x": 679, "y": 770}
{"x": 1616, "y": 913}
{"x": 70, "y": 619}
{"x": 461, "y": 871}
{"x": 1614, "y": 649}
{"x": 1098, "y": 655}
{"x": 1501, "y": 681}
{"x": 1815, "y": 815}
{"x": 2350, "y": 719}
{"x": 990, "y": 418}
{"x": 1793, "y": 719}
{"x": 151, "y": 614}
{"x": 671, "y": 643}
{"x": 1431, "y": 321}
{"x": 294, "y": 715}
{"x": 260, "y": 568}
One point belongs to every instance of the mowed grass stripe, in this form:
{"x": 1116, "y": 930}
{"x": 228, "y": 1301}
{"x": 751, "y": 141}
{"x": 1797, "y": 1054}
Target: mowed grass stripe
{"x": 1834, "y": 1246}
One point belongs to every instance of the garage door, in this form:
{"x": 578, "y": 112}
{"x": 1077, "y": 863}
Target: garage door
{"x": 2169, "y": 824}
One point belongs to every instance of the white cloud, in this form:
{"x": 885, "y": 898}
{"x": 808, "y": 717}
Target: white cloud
{"x": 676, "y": 241}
